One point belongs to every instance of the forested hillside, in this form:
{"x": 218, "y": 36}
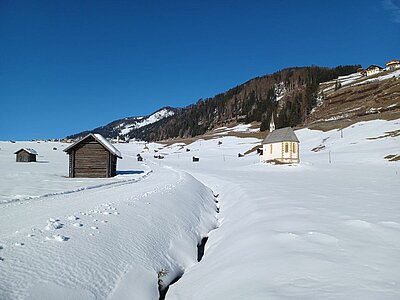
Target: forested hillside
{"x": 289, "y": 94}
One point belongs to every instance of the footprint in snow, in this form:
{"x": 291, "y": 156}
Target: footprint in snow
{"x": 77, "y": 224}
{"x": 94, "y": 227}
{"x": 19, "y": 244}
{"x": 53, "y": 225}
{"x": 1, "y": 259}
{"x": 73, "y": 218}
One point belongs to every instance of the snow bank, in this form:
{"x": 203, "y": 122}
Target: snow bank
{"x": 309, "y": 231}
{"x": 105, "y": 243}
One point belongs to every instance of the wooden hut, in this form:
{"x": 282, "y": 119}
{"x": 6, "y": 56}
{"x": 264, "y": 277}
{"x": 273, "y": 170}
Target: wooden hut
{"x": 26, "y": 155}
{"x": 93, "y": 156}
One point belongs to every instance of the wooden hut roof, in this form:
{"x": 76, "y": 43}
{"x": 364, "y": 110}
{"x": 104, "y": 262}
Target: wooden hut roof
{"x": 281, "y": 135}
{"x": 29, "y": 150}
{"x": 99, "y": 138}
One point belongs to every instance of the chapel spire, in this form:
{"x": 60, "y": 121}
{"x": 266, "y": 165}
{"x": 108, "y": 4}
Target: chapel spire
{"x": 272, "y": 123}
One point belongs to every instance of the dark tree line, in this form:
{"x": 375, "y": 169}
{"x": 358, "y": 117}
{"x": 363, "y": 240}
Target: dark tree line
{"x": 255, "y": 100}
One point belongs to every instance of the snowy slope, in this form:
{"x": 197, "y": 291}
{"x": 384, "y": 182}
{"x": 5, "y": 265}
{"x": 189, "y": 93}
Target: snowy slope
{"x": 143, "y": 121}
{"x": 107, "y": 241}
{"x": 317, "y": 230}
{"x": 312, "y": 231}
{"x": 126, "y": 127}
{"x": 356, "y": 79}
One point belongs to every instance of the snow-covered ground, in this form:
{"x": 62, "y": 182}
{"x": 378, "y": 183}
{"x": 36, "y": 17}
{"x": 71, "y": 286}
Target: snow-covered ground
{"x": 237, "y": 128}
{"x": 356, "y": 79}
{"x": 393, "y": 74}
{"x": 48, "y": 175}
{"x": 328, "y": 228}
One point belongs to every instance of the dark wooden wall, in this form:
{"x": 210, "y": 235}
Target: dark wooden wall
{"x": 24, "y": 156}
{"x": 90, "y": 159}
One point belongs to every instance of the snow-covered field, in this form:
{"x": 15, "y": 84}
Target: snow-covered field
{"x": 48, "y": 176}
{"x": 328, "y": 228}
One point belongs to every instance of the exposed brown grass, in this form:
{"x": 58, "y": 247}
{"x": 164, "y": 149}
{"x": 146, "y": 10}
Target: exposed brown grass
{"x": 352, "y": 104}
{"x": 393, "y": 157}
{"x": 393, "y": 133}
{"x": 220, "y": 133}
{"x": 338, "y": 124}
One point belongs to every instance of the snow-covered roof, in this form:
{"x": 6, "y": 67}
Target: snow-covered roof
{"x": 281, "y": 135}
{"x": 101, "y": 140}
{"x": 374, "y": 67}
{"x": 393, "y": 62}
{"x": 29, "y": 150}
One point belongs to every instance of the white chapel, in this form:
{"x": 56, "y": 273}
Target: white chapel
{"x": 280, "y": 145}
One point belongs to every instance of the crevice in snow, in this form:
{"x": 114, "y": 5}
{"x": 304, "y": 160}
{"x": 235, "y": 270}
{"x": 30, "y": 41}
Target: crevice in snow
{"x": 163, "y": 290}
{"x": 200, "y": 248}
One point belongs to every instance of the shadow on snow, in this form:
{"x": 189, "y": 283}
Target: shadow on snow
{"x": 129, "y": 172}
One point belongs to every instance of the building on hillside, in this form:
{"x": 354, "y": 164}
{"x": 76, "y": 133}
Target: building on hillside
{"x": 26, "y": 155}
{"x": 280, "y": 146}
{"x": 373, "y": 69}
{"x": 393, "y": 65}
{"x": 362, "y": 72}
{"x": 93, "y": 156}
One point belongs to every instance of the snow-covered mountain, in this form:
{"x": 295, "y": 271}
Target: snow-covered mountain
{"x": 125, "y": 128}
{"x": 325, "y": 98}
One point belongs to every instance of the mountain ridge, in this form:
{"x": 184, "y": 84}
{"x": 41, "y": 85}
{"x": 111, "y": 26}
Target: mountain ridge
{"x": 294, "y": 95}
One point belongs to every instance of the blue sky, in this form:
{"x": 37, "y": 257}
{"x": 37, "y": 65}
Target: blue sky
{"x": 69, "y": 66}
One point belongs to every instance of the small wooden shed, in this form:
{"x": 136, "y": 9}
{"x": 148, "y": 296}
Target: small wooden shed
{"x": 26, "y": 155}
{"x": 93, "y": 156}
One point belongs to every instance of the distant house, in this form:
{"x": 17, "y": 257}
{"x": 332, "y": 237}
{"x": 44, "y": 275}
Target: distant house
{"x": 93, "y": 156}
{"x": 373, "y": 69}
{"x": 26, "y": 155}
{"x": 362, "y": 71}
{"x": 393, "y": 64}
{"x": 280, "y": 145}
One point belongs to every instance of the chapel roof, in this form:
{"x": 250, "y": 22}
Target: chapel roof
{"x": 281, "y": 135}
